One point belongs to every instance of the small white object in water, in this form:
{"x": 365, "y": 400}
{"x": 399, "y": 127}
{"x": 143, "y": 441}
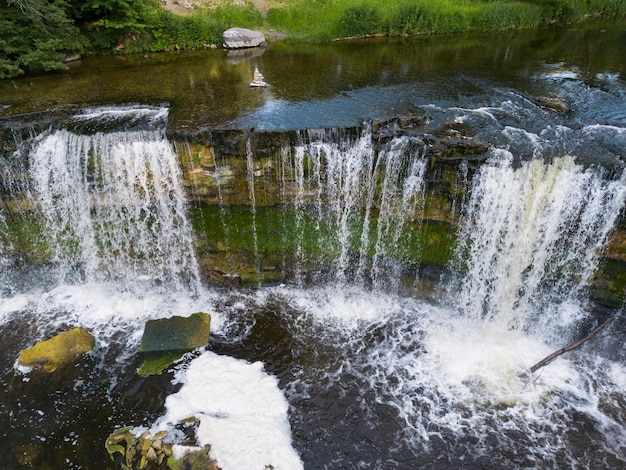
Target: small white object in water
{"x": 258, "y": 79}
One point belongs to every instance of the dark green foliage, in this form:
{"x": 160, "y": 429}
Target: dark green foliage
{"x": 169, "y": 32}
{"x": 556, "y": 10}
{"x": 406, "y": 19}
{"x": 35, "y": 36}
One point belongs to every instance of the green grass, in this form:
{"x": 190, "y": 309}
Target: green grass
{"x": 348, "y": 18}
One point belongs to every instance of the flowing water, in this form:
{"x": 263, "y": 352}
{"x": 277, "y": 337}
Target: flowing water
{"x": 342, "y": 365}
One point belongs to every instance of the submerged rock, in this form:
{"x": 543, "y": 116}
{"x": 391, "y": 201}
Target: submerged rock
{"x": 164, "y": 341}
{"x": 237, "y": 38}
{"x": 553, "y": 104}
{"x": 63, "y": 348}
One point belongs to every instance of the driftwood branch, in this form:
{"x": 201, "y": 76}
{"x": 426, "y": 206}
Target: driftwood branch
{"x": 593, "y": 335}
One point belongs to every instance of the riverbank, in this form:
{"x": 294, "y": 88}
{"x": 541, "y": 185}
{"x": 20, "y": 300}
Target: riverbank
{"x": 147, "y": 26}
{"x": 341, "y": 19}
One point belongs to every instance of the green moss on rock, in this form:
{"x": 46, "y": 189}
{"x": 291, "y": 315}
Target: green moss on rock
{"x": 165, "y": 340}
{"x": 48, "y": 355}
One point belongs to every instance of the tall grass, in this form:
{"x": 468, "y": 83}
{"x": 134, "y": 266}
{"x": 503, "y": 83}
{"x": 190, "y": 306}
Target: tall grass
{"x": 345, "y": 18}
{"x": 323, "y": 20}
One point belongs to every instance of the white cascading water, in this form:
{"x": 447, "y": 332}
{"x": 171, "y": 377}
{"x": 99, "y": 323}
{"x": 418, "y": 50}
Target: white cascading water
{"x": 250, "y": 176}
{"x": 5, "y": 247}
{"x": 451, "y": 378}
{"x": 115, "y": 220}
{"x": 113, "y": 206}
{"x": 532, "y": 239}
{"x": 340, "y": 179}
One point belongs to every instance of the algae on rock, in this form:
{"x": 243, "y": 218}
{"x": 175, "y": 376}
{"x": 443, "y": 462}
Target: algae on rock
{"x": 164, "y": 341}
{"x": 48, "y": 355}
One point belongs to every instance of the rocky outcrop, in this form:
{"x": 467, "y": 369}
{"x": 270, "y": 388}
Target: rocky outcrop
{"x": 165, "y": 340}
{"x": 64, "y": 348}
{"x": 130, "y": 452}
{"x": 150, "y": 452}
{"x": 258, "y": 80}
{"x": 239, "y": 38}
{"x": 550, "y": 103}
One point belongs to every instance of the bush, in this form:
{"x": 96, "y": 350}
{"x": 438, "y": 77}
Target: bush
{"x": 425, "y": 17}
{"x": 505, "y": 15}
{"x": 406, "y": 20}
{"x": 168, "y": 32}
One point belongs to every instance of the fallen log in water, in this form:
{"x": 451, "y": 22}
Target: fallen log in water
{"x": 593, "y": 335}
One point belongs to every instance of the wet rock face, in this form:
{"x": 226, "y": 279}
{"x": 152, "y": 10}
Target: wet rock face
{"x": 176, "y": 333}
{"x": 165, "y": 340}
{"x": 64, "y": 348}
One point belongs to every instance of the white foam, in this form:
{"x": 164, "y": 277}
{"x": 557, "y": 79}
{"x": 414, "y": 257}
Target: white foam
{"x": 242, "y": 413}
{"x": 452, "y": 377}
{"x": 135, "y": 112}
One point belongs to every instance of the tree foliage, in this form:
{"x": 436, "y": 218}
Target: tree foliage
{"x": 35, "y": 35}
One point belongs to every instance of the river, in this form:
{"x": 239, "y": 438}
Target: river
{"x": 392, "y": 312}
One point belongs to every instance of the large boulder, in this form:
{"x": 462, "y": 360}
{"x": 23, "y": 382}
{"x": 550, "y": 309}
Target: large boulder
{"x": 48, "y": 355}
{"x": 164, "y": 341}
{"x": 238, "y": 38}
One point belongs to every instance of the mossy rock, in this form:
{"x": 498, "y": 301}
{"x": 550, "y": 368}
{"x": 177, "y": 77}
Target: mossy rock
{"x": 196, "y": 460}
{"x": 164, "y": 341}
{"x": 48, "y": 355}
{"x": 155, "y": 362}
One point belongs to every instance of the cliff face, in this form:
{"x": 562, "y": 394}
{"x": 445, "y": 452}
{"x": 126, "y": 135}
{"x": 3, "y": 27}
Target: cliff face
{"x": 273, "y": 206}
{"x": 383, "y": 203}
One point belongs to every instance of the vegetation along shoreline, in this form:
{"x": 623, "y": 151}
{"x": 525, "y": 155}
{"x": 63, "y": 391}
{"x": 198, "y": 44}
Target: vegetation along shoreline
{"x": 40, "y": 36}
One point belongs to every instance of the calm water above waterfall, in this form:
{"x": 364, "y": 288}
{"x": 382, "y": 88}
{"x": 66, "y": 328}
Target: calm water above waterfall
{"x": 385, "y": 296}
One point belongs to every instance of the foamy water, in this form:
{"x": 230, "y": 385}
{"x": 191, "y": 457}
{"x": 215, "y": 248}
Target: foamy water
{"x": 241, "y": 411}
{"x": 456, "y": 379}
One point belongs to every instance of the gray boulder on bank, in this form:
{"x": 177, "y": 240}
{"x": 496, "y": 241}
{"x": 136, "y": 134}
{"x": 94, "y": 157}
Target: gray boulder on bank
{"x": 239, "y": 38}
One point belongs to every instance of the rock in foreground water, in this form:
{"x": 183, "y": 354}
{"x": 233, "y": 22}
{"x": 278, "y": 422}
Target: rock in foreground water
{"x": 165, "y": 340}
{"x": 64, "y": 348}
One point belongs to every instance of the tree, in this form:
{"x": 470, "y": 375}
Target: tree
{"x": 35, "y": 35}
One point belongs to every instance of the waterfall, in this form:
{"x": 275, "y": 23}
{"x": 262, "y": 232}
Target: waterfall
{"x": 360, "y": 199}
{"x": 251, "y": 191}
{"x": 113, "y": 207}
{"x": 5, "y": 247}
{"x": 532, "y": 239}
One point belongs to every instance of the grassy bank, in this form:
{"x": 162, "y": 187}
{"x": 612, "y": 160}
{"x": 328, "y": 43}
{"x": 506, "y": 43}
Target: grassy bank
{"x": 37, "y": 35}
{"x": 348, "y": 18}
